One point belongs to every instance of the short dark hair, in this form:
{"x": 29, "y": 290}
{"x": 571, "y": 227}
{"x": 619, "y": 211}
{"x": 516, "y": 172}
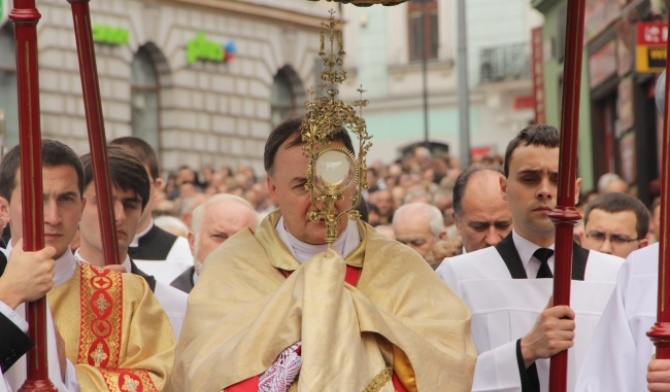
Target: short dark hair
{"x": 54, "y": 153}
{"x": 126, "y": 172}
{"x": 536, "y": 135}
{"x": 462, "y": 182}
{"x": 290, "y": 130}
{"x": 142, "y": 150}
{"x": 618, "y": 202}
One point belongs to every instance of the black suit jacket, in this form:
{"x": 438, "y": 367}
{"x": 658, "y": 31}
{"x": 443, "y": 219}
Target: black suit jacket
{"x": 184, "y": 282}
{"x": 14, "y": 343}
{"x": 154, "y": 245}
{"x": 151, "y": 281}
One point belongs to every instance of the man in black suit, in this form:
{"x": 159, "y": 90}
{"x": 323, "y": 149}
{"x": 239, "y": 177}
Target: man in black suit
{"x": 218, "y": 218}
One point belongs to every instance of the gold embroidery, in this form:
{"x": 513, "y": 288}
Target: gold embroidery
{"x": 379, "y": 381}
{"x": 98, "y": 355}
{"x": 101, "y": 282}
{"x": 101, "y": 293}
{"x": 128, "y": 380}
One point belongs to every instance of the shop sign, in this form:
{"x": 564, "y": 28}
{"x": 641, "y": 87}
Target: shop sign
{"x": 4, "y": 10}
{"x": 200, "y": 49}
{"x": 110, "y": 35}
{"x": 650, "y": 47}
{"x": 481, "y": 151}
{"x": 523, "y": 102}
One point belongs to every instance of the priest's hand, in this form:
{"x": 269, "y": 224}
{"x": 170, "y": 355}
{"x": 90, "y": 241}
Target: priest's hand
{"x": 28, "y": 275}
{"x": 658, "y": 375}
{"x": 553, "y": 332}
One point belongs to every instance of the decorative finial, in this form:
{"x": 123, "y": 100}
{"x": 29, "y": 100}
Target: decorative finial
{"x": 334, "y": 171}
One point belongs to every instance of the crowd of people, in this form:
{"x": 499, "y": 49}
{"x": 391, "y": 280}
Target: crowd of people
{"x": 224, "y": 283}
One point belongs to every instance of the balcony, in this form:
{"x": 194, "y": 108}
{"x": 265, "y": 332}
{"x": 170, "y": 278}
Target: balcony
{"x": 504, "y": 63}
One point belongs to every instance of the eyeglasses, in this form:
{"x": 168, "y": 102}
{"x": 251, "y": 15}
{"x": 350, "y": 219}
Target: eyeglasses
{"x": 614, "y": 239}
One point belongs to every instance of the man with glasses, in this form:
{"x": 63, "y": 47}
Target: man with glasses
{"x": 615, "y": 223}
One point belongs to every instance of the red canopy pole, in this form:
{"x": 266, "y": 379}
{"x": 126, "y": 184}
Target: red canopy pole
{"x": 660, "y": 332}
{"x": 96, "y": 127}
{"x": 25, "y": 17}
{"x": 565, "y": 216}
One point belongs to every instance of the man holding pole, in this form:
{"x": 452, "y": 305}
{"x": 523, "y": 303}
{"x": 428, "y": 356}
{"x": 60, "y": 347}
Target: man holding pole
{"x": 515, "y": 326}
{"x": 101, "y": 314}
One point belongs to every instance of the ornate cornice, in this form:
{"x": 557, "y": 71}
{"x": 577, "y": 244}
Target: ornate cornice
{"x": 275, "y": 13}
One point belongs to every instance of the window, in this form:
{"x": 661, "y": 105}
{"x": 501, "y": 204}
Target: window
{"x": 423, "y": 29}
{"x": 144, "y": 98}
{"x": 9, "y": 128}
{"x": 282, "y": 98}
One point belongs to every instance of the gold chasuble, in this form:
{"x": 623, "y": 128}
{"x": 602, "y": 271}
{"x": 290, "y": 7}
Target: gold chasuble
{"x": 400, "y": 318}
{"x": 115, "y": 332}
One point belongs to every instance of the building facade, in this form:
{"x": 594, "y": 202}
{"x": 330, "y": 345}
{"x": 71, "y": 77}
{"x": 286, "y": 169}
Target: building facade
{"x": 203, "y": 81}
{"x": 384, "y": 54}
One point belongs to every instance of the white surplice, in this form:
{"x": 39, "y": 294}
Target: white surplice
{"x": 617, "y": 359}
{"x": 505, "y": 309}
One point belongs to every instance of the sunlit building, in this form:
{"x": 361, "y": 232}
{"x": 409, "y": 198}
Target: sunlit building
{"x": 385, "y": 47}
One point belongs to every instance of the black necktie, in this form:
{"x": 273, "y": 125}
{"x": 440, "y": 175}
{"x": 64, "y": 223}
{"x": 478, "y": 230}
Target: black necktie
{"x": 543, "y": 254}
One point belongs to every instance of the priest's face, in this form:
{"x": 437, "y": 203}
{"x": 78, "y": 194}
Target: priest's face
{"x": 127, "y": 213}
{"x": 62, "y": 206}
{"x": 531, "y": 189}
{"x": 286, "y": 185}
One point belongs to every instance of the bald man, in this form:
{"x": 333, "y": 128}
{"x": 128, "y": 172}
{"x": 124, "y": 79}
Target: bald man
{"x": 612, "y": 183}
{"x": 218, "y": 218}
{"x": 420, "y": 226}
{"x": 481, "y": 215}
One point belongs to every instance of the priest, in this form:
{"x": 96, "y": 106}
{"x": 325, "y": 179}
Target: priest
{"x": 277, "y": 308}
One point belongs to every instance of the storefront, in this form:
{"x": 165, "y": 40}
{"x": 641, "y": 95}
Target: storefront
{"x": 621, "y": 84}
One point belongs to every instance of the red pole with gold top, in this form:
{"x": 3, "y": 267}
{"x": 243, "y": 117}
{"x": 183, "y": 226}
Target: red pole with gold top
{"x": 96, "y": 127}
{"x": 660, "y": 332}
{"x": 25, "y": 17}
{"x": 565, "y": 216}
